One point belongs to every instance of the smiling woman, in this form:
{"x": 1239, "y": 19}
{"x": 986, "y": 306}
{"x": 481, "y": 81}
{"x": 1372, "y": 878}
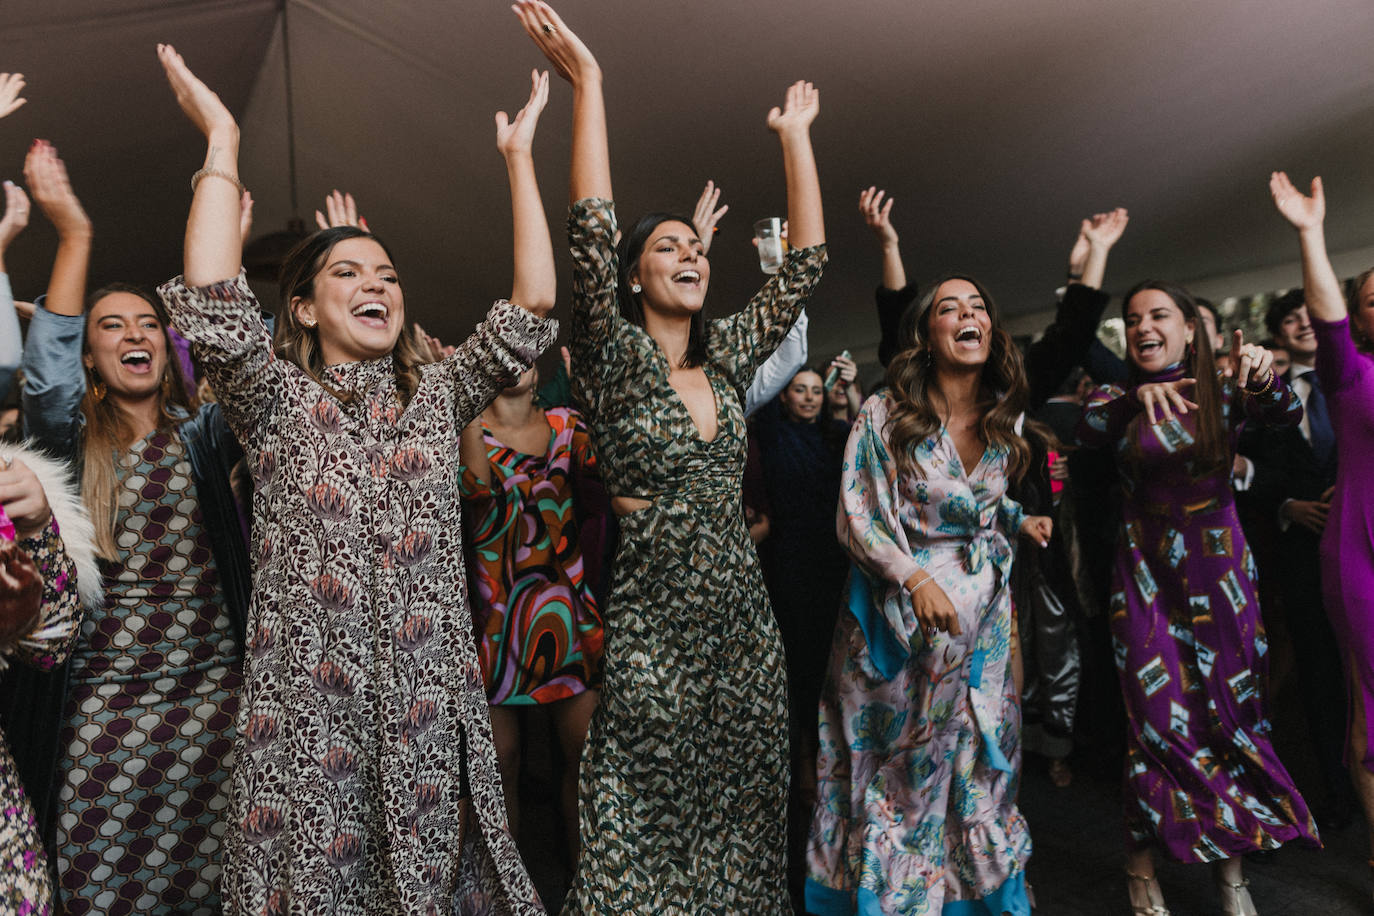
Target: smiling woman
{"x": 162, "y": 655}
{"x": 367, "y": 737}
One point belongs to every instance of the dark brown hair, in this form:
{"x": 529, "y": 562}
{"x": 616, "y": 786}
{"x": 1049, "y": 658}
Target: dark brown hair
{"x": 1002, "y": 390}
{"x": 299, "y": 344}
{"x": 631, "y": 309}
{"x": 1213, "y": 449}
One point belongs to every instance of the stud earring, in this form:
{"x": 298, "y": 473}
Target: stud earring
{"x": 309, "y": 323}
{"x": 636, "y": 288}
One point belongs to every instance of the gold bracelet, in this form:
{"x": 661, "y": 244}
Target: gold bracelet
{"x": 1263, "y": 389}
{"x": 216, "y": 173}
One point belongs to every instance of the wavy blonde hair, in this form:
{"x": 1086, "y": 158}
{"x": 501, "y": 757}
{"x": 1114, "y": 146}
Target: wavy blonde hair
{"x": 1002, "y": 390}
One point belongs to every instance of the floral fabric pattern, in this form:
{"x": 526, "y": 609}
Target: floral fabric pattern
{"x": 541, "y": 639}
{"x": 920, "y": 740}
{"x": 362, "y": 687}
{"x": 25, "y": 886}
{"x": 683, "y": 786}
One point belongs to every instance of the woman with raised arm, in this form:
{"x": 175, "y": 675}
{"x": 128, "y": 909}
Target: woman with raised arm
{"x": 1203, "y": 783}
{"x": 684, "y": 777}
{"x": 1345, "y": 371}
{"x": 363, "y": 719}
{"x": 137, "y": 814}
{"x": 920, "y": 723}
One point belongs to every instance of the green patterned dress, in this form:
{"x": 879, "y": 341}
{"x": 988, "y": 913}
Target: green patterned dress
{"x": 684, "y": 777}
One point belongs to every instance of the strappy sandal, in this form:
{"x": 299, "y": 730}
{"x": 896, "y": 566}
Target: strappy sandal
{"x": 1235, "y": 898}
{"x": 1155, "y": 897}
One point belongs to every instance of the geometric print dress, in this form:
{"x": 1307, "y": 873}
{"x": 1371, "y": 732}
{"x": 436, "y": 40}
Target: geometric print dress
{"x": 155, "y": 681}
{"x": 542, "y": 634}
{"x": 683, "y": 785}
{"x": 1202, "y": 780}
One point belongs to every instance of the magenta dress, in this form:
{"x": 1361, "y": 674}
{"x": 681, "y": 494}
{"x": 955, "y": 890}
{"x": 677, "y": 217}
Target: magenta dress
{"x": 1347, "y": 551}
{"x": 1202, "y": 780}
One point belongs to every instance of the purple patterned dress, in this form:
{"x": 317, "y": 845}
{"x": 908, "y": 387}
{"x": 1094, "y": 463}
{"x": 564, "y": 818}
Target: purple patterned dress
{"x": 1202, "y": 779}
{"x": 363, "y": 705}
{"x": 25, "y": 886}
{"x": 155, "y": 681}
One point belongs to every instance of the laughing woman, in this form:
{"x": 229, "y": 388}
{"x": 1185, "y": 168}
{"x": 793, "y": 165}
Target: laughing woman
{"x": 920, "y": 735}
{"x": 147, "y": 702}
{"x": 363, "y": 713}
{"x": 684, "y": 777}
{"x": 1203, "y": 783}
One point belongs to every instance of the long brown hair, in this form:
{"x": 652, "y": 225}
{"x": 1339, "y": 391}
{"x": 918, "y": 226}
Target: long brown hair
{"x": 1352, "y": 308}
{"x": 1213, "y": 447}
{"x": 299, "y": 344}
{"x": 109, "y": 432}
{"x": 1002, "y": 390}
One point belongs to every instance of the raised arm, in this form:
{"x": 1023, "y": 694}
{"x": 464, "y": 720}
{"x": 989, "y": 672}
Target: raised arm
{"x": 47, "y": 178}
{"x": 213, "y": 240}
{"x": 1307, "y": 215}
{"x": 536, "y": 280}
{"x": 571, "y": 59}
{"x": 877, "y": 214}
{"x": 1096, "y": 236}
{"x": 792, "y": 124}
{"x": 11, "y": 344}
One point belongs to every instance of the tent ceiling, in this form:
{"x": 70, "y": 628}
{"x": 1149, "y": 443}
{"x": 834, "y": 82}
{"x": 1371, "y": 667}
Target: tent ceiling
{"x": 996, "y": 125}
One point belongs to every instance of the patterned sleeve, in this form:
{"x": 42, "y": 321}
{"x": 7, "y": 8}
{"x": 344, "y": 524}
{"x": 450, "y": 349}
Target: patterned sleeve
{"x": 503, "y": 345}
{"x": 597, "y": 324}
{"x": 869, "y": 522}
{"x": 1106, "y": 414}
{"x": 583, "y": 453}
{"x": 50, "y": 641}
{"x": 233, "y": 346}
{"x": 1278, "y": 406}
{"x": 740, "y": 343}
{"x": 1010, "y": 515}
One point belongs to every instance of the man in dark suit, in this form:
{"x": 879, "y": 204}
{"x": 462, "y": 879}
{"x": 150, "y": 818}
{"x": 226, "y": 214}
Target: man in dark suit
{"x": 1295, "y": 471}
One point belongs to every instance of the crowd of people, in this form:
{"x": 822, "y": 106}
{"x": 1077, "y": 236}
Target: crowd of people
{"x": 286, "y": 583}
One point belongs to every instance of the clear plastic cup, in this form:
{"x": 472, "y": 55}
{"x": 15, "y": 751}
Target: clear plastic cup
{"x": 768, "y": 234}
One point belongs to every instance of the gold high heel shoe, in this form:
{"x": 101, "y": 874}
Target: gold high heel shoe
{"x": 1235, "y": 898}
{"x": 1154, "y": 905}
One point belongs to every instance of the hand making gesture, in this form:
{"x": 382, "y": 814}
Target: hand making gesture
{"x": 1250, "y": 363}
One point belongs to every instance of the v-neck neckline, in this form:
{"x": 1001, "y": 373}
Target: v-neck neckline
{"x": 954, "y": 447}
{"x": 548, "y": 443}
{"x": 716, "y": 400}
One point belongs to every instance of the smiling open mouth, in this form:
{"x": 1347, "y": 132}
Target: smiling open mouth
{"x": 373, "y": 314}
{"x": 969, "y": 334}
{"x": 1149, "y": 346}
{"x": 687, "y": 276}
{"x": 137, "y": 360}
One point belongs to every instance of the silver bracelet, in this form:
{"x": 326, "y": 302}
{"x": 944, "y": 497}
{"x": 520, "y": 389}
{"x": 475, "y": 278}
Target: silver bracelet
{"x": 911, "y": 592}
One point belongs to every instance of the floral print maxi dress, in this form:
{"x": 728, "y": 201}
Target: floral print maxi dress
{"x": 1202, "y": 779}
{"x": 683, "y": 789}
{"x": 362, "y": 689}
{"x": 920, "y": 742}
{"x": 542, "y": 633}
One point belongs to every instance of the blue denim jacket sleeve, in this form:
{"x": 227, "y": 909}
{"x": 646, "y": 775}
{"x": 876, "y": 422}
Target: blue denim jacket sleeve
{"x": 11, "y": 346}
{"x": 54, "y": 381}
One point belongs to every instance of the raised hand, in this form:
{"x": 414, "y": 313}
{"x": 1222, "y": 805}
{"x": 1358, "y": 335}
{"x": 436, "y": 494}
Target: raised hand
{"x": 1104, "y": 230}
{"x": 16, "y": 215}
{"x": 46, "y": 175}
{"x": 23, "y": 498}
{"x": 1302, "y": 211}
{"x": 565, "y": 51}
{"x": 342, "y": 210}
{"x": 705, "y": 216}
{"x": 1038, "y": 528}
{"x": 1250, "y": 362}
{"x": 847, "y": 371}
{"x": 878, "y": 215}
{"x": 200, "y": 104}
{"x": 1166, "y": 397}
{"x": 1078, "y": 254}
{"x": 11, "y": 84}
{"x": 799, "y": 109}
{"x": 518, "y": 136}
